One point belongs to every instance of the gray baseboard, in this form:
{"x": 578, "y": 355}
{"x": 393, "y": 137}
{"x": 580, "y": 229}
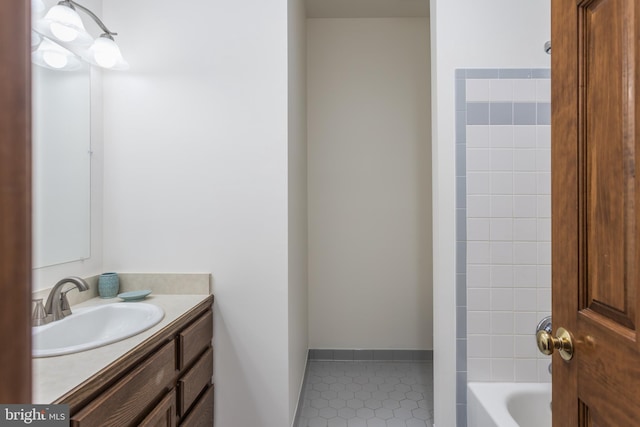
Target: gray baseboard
{"x": 373, "y": 355}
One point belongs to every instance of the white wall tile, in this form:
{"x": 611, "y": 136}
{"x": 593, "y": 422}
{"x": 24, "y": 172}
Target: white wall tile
{"x": 502, "y": 346}
{"x": 544, "y": 276}
{"x": 501, "y": 160}
{"x": 502, "y": 370}
{"x": 525, "y": 299}
{"x": 501, "y": 90}
{"x": 478, "y": 299}
{"x": 501, "y": 136}
{"x": 501, "y": 183}
{"x": 526, "y": 370}
{"x": 544, "y": 229}
{"x": 525, "y": 322}
{"x": 478, "y": 183}
{"x": 502, "y": 299}
{"x": 478, "y": 229}
{"x": 478, "y": 136}
{"x": 524, "y": 90}
{"x": 478, "y": 322}
{"x": 524, "y": 136}
{"x": 544, "y": 206}
{"x": 544, "y": 299}
{"x": 501, "y": 206}
{"x": 477, "y": 90}
{"x": 478, "y": 252}
{"x": 544, "y": 252}
{"x": 509, "y": 230}
{"x": 478, "y": 369}
{"x": 543, "y": 160}
{"x": 525, "y": 276}
{"x": 478, "y": 276}
{"x": 525, "y": 252}
{"x": 543, "y": 183}
{"x": 543, "y": 370}
{"x": 478, "y": 206}
{"x": 524, "y": 160}
{"x": 478, "y": 159}
{"x": 543, "y": 90}
{"x": 525, "y": 206}
{"x": 524, "y": 229}
{"x": 501, "y": 276}
{"x": 478, "y": 346}
{"x": 524, "y": 183}
{"x": 501, "y": 322}
{"x": 543, "y": 136}
{"x": 501, "y": 229}
{"x": 525, "y": 346}
{"x": 501, "y": 252}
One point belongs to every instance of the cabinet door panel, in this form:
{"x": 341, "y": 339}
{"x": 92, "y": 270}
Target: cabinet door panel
{"x": 194, "y": 339}
{"x": 124, "y": 402}
{"x": 164, "y": 414}
{"x": 194, "y": 381}
{"x": 202, "y": 412}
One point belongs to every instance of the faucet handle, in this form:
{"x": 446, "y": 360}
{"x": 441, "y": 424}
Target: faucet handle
{"x": 64, "y": 303}
{"x": 39, "y": 316}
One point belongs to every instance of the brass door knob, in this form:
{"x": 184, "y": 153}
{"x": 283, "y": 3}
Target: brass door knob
{"x": 563, "y": 342}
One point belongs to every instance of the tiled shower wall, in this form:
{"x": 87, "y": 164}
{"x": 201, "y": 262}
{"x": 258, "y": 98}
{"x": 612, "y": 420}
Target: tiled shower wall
{"x": 503, "y": 141}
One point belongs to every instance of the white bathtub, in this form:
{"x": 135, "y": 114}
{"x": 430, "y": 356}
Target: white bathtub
{"x": 509, "y": 405}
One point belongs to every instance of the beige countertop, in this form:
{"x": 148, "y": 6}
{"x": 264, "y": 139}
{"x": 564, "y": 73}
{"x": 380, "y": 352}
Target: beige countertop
{"x": 55, "y": 376}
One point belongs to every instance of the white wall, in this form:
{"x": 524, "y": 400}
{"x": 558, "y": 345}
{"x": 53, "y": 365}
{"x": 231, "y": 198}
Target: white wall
{"x": 369, "y": 183}
{"x": 467, "y": 34}
{"x": 196, "y": 178}
{"x": 298, "y": 313}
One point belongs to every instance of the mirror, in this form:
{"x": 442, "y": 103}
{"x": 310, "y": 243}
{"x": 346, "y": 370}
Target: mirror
{"x": 61, "y": 165}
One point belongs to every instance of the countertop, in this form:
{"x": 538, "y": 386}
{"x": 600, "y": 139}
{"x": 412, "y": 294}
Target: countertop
{"x": 55, "y": 376}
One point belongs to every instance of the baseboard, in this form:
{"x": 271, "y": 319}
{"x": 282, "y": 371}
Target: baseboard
{"x": 373, "y": 355}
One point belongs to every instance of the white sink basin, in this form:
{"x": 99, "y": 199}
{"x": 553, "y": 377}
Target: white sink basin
{"x": 92, "y": 327}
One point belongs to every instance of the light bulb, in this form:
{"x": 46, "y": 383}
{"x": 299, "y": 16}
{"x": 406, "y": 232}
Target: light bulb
{"x": 62, "y": 23}
{"x": 55, "y": 59}
{"x": 105, "y": 53}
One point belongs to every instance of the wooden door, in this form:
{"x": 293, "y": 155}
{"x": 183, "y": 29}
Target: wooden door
{"x": 15, "y": 202}
{"x": 595, "y": 210}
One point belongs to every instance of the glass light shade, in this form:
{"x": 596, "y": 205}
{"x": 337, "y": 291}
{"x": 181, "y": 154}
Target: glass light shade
{"x": 63, "y": 24}
{"x": 52, "y": 55}
{"x": 105, "y": 53}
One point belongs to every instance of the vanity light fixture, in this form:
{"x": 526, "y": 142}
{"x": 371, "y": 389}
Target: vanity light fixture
{"x": 51, "y": 55}
{"x": 62, "y": 24}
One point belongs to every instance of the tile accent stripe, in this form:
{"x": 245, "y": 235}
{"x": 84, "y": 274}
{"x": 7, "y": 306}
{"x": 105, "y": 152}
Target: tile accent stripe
{"x": 478, "y": 109}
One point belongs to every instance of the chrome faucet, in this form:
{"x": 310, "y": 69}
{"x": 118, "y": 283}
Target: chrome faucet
{"x": 57, "y": 305}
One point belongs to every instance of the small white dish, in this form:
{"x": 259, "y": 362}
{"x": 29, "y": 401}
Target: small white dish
{"x": 134, "y": 295}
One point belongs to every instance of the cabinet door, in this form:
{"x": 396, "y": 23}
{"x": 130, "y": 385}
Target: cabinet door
{"x": 164, "y": 414}
{"x": 202, "y": 412}
{"x": 126, "y": 400}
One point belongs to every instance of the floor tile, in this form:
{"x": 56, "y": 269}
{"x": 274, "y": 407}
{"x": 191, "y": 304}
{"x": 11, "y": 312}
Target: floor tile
{"x": 367, "y": 394}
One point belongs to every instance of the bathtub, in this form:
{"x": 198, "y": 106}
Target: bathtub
{"x": 509, "y": 404}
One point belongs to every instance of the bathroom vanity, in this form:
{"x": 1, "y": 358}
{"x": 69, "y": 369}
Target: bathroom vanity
{"x": 160, "y": 377}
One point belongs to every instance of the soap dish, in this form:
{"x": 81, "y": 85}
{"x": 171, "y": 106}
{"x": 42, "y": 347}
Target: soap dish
{"x": 135, "y": 295}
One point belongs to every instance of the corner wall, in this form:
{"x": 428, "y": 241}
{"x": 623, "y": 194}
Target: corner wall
{"x": 298, "y": 271}
{"x": 196, "y": 178}
{"x": 467, "y": 34}
{"x": 369, "y": 184}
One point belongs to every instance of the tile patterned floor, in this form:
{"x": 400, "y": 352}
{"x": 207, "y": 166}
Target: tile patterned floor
{"x": 367, "y": 394}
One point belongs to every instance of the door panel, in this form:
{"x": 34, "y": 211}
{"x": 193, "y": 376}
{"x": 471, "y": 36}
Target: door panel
{"x": 595, "y": 194}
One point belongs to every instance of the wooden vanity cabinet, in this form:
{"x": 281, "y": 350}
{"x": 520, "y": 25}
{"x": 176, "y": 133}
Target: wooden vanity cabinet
{"x": 164, "y": 382}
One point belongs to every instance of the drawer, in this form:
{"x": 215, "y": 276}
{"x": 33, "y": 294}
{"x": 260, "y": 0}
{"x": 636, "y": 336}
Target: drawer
{"x": 193, "y": 340}
{"x": 164, "y": 414}
{"x": 202, "y": 413}
{"x": 123, "y": 403}
{"x": 194, "y": 381}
